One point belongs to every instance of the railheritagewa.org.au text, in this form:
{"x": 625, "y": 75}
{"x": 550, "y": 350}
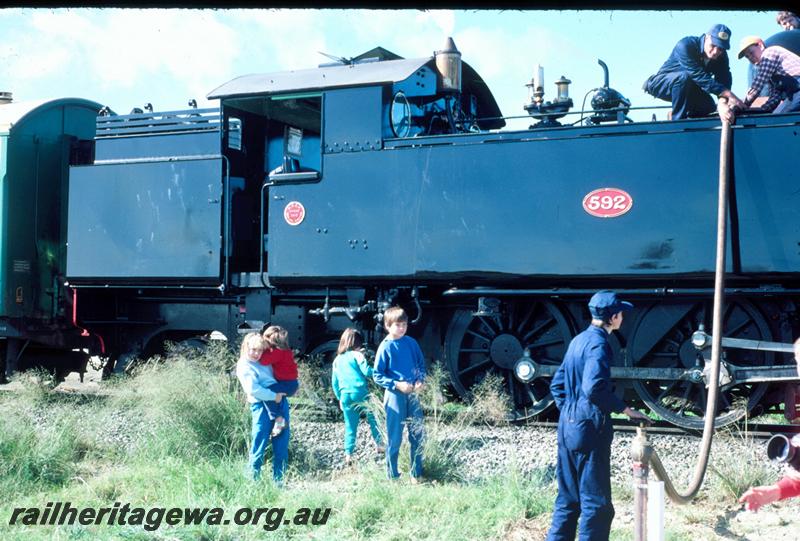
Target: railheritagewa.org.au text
{"x": 63, "y": 513}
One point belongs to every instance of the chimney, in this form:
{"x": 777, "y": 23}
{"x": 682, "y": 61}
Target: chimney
{"x": 448, "y": 63}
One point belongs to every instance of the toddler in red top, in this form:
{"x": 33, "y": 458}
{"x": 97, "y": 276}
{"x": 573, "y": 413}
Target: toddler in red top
{"x": 284, "y": 368}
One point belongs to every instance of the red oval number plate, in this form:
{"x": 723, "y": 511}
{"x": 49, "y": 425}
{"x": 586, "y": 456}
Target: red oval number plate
{"x": 607, "y": 202}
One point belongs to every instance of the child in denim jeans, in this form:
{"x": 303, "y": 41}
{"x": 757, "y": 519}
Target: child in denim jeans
{"x": 400, "y": 369}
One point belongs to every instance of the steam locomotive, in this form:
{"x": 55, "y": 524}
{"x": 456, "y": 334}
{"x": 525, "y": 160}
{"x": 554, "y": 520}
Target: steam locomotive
{"x": 317, "y": 198}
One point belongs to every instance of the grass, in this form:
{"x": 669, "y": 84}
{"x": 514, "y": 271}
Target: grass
{"x": 733, "y": 473}
{"x": 175, "y": 434}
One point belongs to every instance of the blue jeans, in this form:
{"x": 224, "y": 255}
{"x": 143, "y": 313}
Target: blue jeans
{"x": 289, "y": 387}
{"x": 353, "y": 405}
{"x": 791, "y": 102}
{"x": 403, "y": 410}
{"x": 262, "y": 427}
{"x": 688, "y": 99}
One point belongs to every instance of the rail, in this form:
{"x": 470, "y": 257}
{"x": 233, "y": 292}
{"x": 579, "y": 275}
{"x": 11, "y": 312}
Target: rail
{"x": 579, "y": 112}
{"x": 158, "y": 123}
{"x": 749, "y": 114}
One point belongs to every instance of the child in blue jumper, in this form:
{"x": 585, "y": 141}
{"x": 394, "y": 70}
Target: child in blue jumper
{"x": 400, "y": 369}
{"x": 349, "y": 378}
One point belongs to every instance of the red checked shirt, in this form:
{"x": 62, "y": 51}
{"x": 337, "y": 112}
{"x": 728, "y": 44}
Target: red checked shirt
{"x": 774, "y": 60}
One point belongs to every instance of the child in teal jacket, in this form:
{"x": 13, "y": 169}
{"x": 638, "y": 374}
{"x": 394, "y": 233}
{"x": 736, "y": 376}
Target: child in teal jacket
{"x": 351, "y": 372}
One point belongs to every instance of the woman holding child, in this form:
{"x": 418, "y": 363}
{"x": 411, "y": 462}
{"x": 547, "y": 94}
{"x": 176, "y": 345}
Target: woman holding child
{"x": 256, "y": 380}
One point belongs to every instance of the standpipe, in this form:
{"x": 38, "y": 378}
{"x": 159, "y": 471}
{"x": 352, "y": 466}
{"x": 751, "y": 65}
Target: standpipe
{"x": 641, "y": 451}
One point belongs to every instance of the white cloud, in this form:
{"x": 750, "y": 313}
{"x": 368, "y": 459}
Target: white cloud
{"x": 445, "y": 20}
{"x": 188, "y": 45}
{"x": 10, "y": 12}
{"x": 64, "y": 24}
{"x": 283, "y": 39}
{"x": 29, "y": 52}
{"x": 114, "y": 49}
{"x": 292, "y": 39}
{"x": 39, "y": 64}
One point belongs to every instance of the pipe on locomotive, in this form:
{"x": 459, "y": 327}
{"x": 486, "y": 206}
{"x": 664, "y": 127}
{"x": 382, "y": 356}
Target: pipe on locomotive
{"x": 264, "y": 277}
{"x": 716, "y": 341}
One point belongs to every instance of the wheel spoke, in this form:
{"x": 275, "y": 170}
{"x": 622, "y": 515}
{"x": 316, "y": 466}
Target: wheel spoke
{"x": 524, "y": 322}
{"x": 471, "y": 368}
{"x": 488, "y": 327}
{"x": 687, "y": 393}
{"x": 733, "y": 332}
{"x": 668, "y": 354}
{"x": 703, "y": 399}
{"x": 546, "y": 343}
{"x": 724, "y": 401}
{"x": 726, "y": 311}
{"x": 511, "y": 389}
{"x": 550, "y": 360}
{"x": 538, "y": 329}
{"x": 478, "y": 336}
{"x": 666, "y": 391}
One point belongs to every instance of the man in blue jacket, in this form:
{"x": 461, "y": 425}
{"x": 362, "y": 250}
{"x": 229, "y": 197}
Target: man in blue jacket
{"x": 585, "y": 398}
{"x": 696, "y": 68}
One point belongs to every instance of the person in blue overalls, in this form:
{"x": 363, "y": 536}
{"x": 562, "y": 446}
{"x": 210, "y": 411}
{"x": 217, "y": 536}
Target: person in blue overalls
{"x": 696, "y": 68}
{"x": 584, "y": 395}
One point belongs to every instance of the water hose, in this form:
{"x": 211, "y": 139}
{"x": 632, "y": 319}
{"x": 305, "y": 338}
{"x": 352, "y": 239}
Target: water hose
{"x": 641, "y": 452}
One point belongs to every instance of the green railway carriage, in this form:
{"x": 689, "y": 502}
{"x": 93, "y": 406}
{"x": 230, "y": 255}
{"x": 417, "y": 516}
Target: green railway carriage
{"x": 38, "y": 141}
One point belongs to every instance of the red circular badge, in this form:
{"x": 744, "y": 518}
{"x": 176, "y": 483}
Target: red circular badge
{"x": 294, "y": 213}
{"x": 607, "y": 202}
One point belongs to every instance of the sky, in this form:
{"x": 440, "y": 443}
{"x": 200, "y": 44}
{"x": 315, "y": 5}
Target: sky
{"x": 125, "y": 58}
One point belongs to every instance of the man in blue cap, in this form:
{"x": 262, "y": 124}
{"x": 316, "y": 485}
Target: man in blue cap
{"x": 696, "y": 68}
{"x": 584, "y": 395}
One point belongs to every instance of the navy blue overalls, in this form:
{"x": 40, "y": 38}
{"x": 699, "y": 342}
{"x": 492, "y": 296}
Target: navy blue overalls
{"x": 688, "y": 82}
{"x": 584, "y": 396}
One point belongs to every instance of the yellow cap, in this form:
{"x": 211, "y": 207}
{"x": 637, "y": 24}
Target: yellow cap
{"x": 746, "y": 42}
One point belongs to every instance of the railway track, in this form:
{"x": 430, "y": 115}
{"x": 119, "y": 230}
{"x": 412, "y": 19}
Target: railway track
{"x": 757, "y": 430}
{"x": 662, "y": 428}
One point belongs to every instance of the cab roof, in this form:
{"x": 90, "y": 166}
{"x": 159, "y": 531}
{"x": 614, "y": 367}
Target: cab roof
{"x": 358, "y": 73}
{"x": 16, "y": 112}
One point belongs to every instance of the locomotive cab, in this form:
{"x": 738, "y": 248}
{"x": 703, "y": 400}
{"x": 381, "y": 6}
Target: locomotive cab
{"x": 266, "y": 140}
{"x": 282, "y": 129}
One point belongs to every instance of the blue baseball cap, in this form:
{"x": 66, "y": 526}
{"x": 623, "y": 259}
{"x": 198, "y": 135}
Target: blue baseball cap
{"x": 720, "y": 36}
{"x": 605, "y": 304}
